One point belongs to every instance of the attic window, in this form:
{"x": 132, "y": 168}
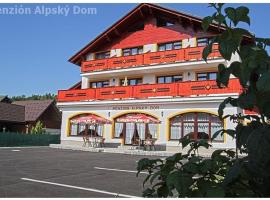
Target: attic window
{"x": 164, "y": 22}
{"x": 136, "y": 27}
{"x": 103, "y": 55}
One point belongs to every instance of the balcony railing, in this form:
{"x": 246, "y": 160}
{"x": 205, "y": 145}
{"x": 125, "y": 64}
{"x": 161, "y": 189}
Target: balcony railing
{"x": 183, "y": 89}
{"x": 172, "y": 56}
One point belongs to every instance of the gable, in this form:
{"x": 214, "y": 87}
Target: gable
{"x": 116, "y": 36}
{"x": 152, "y": 34}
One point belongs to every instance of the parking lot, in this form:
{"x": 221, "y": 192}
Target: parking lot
{"x": 45, "y": 172}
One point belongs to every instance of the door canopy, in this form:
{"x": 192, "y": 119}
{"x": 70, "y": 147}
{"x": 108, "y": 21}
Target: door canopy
{"x": 138, "y": 118}
{"x": 90, "y": 119}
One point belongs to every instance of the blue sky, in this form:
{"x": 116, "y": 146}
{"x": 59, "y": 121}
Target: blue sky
{"x": 34, "y": 48}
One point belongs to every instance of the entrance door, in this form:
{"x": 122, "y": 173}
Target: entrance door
{"x": 129, "y": 133}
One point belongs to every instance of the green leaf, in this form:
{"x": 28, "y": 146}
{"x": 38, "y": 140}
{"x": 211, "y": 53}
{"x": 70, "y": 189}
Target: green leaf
{"x": 204, "y": 143}
{"x": 237, "y": 15}
{"x": 206, "y": 166}
{"x": 206, "y": 51}
{"x": 148, "y": 192}
{"x": 263, "y": 85}
{"x": 217, "y": 133}
{"x": 235, "y": 69}
{"x": 220, "y": 19}
{"x": 230, "y": 132}
{"x": 223, "y": 105}
{"x": 191, "y": 168}
{"x": 163, "y": 191}
{"x": 223, "y": 76}
{"x": 180, "y": 181}
{"x": 242, "y": 14}
{"x": 247, "y": 100}
{"x": 175, "y": 158}
{"x": 233, "y": 173}
{"x": 185, "y": 141}
{"x": 215, "y": 191}
{"x": 154, "y": 176}
{"x": 206, "y": 22}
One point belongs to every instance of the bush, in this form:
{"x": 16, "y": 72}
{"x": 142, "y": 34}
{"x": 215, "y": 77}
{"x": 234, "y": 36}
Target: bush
{"x": 38, "y": 128}
{"x": 245, "y": 171}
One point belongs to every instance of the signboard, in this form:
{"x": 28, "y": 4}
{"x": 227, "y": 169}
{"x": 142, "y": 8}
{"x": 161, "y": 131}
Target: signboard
{"x": 144, "y": 107}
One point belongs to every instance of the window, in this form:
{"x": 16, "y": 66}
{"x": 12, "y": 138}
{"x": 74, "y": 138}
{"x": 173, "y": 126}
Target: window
{"x": 206, "y": 76}
{"x": 170, "y": 46}
{"x": 131, "y": 131}
{"x": 103, "y": 55}
{"x": 79, "y": 128}
{"x": 134, "y": 81}
{"x": 99, "y": 84}
{"x": 197, "y": 126}
{"x": 170, "y": 79}
{"x": 201, "y": 42}
{"x": 137, "y": 27}
{"x": 132, "y": 51}
{"x": 164, "y": 22}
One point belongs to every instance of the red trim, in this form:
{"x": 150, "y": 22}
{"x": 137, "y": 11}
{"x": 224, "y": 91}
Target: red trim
{"x": 183, "y": 89}
{"x": 181, "y": 55}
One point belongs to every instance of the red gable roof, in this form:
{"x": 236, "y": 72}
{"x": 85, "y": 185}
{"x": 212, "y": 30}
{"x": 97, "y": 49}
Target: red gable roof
{"x": 134, "y": 15}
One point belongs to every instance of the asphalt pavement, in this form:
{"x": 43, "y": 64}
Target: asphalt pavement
{"x": 45, "y": 172}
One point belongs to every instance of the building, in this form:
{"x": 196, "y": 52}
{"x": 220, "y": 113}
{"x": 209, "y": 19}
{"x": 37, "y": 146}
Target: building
{"x": 11, "y": 117}
{"x": 149, "y": 63}
{"x": 5, "y": 99}
{"x": 21, "y": 116}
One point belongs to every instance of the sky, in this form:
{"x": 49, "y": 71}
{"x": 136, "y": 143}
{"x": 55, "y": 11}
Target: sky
{"x": 35, "y": 46}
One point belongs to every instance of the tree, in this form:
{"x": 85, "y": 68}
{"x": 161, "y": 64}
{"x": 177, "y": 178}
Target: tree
{"x": 46, "y": 96}
{"x": 245, "y": 171}
{"x": 38, "y": 128}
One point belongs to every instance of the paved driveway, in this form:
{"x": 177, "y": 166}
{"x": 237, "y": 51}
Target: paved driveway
{"x": 46, "y": 172}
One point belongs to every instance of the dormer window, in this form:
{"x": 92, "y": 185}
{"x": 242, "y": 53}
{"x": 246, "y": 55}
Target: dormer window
{"x": 103, "y": 55}
{"x": 132, "y": 51}
{"x": 164, "y": 22}
{"x": 170, "y": 46}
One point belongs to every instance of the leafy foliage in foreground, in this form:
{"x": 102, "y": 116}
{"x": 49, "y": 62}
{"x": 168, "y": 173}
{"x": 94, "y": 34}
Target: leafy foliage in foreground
{"x": 245, "y": 171}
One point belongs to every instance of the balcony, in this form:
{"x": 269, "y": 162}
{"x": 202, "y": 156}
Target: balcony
{"x": 172, "y": 56}
{"x": 183, "y": 89}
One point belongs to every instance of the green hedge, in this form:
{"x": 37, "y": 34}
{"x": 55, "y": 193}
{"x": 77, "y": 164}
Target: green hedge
{"x": 22, "y": 139}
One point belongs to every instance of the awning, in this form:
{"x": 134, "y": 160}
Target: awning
{"x": 138, "y": 118}
{"x": 90, "y": 119}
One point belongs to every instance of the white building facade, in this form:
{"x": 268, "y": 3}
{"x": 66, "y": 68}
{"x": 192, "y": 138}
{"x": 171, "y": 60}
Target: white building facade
{"x": 149, "y": 63}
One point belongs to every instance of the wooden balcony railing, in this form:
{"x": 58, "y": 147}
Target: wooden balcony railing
{"x": 181, "y": 55}
{"x": 183, "y": 89}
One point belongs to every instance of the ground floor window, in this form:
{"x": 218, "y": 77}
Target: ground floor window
{"x": 130, "y": 130}
{"x": 197, "y": 125}
{"x": 82, "y": 129}
{"x": 79, "y": 126}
